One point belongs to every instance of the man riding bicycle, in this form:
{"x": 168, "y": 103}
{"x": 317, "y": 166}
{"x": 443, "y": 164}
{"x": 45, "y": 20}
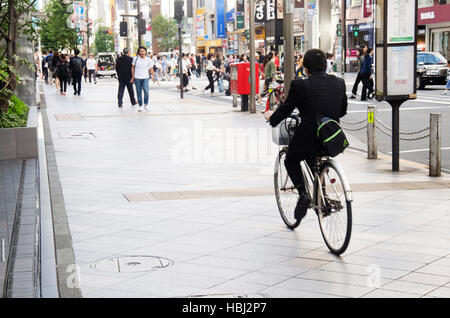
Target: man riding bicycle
{"x": 319, "y": 94}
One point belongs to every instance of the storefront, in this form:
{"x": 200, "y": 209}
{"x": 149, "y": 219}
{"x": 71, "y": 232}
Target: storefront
{"x": 364, "y": 37}
{"x": 436, "y": 20}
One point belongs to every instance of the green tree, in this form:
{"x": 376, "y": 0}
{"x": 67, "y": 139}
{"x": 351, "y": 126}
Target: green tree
{"x": 165, "y": 30}
{"x": 104, "y": 42}
{"x": 55, "y": 33}
{"x": 15, "y": 21}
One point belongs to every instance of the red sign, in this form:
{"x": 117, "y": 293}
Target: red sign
{"x": 367, "y": 8}
{"x": 435, "y": 14}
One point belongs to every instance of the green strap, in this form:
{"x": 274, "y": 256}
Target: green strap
{"x": 334, "y": 135}
{"x": 318, "y": 129}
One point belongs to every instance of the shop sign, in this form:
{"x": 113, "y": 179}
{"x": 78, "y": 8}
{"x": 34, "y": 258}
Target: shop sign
{"x": 240, "y": 22}
{"x": 427, "y": 15}
{"x": 260, "y": 11}
{"x": 367, "y": 8}
{"x": 271, "y": 7}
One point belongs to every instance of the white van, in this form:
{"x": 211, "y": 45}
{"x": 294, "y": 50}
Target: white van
{"x": 106, "y": 64}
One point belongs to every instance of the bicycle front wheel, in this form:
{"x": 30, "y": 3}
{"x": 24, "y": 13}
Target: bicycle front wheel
{"x": 334, "y": 209}
{"x": 285, "y": 192}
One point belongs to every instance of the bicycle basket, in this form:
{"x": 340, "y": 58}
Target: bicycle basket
{"x": 282, "y": 133}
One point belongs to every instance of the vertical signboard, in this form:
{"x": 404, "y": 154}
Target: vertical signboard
{"x": 220, "y": 15}
{"x": 260, "y": 11}
{"x": 200, "y": 24}
{"x": 400, "y": 20}
{"x": 271, "y": 9}
{"x": 240, "y": 7}
{"x": 367, "y": 8}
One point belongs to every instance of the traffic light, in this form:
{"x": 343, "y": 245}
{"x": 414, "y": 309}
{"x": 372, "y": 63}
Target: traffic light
{"x": 142, "y": 26}
{"x": 356, "y": 30}
{"x": 80, "y": 40}
{"x": 338, "y": 29}
{"x": 179, "y": 13}
{"x": 123, "y": 28}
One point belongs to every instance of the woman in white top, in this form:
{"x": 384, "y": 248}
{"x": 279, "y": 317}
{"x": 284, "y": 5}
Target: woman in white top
{"x": 91, "y": 65}
{"x": 140, "y": 69}
{"x": 210, "y": 68}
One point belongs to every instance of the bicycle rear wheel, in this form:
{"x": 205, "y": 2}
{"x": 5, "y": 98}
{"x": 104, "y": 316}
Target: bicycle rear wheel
{"x": 334, "y": 209}
{"x": 285, "y": 192}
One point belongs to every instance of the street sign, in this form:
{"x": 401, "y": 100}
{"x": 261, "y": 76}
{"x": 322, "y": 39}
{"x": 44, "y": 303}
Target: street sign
{"x": 396, "y": 60}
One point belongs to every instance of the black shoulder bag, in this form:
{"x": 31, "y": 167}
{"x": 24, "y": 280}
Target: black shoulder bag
{"x": 329, "y": 133}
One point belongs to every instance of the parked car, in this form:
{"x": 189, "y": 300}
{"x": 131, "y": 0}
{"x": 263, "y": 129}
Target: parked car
{"x": 431, "y": 69}
{"x": 106, "y": 64}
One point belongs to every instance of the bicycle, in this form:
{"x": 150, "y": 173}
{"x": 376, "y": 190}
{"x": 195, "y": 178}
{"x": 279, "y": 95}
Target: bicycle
{"x": 327, "y": 188}
{"x": 276, "y": 92}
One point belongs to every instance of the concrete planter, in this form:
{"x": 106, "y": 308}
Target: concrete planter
{"x": 20, "y": 143}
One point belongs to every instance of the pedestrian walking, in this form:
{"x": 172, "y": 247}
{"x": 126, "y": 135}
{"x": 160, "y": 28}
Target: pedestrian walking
{"x": 63, "y": 73}
{"x": 124, "y": 75}
{"x": 366, "y": 72}
{"x": 447, "y": 86}
{"x": 85, "y": 75}
{"x": 210, "y": 68}
{"x": 141, "y": 67}
{"x": 330, "y": 63}
{"x": 45, "y": 67}
{"x": 55, "y": 62}
{"x": 184, "y": 71}
{"x": 76, "y": 68}
{"x": 91, "y": 65}
{"x": 360, "y": 53}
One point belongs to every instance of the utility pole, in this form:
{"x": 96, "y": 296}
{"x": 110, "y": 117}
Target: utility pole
{"x": 127, "y": 12}
{"x": 252, "y": 58}
{"x": 344, "y": 34}
{"x": 139, "y": 15}
{"x": 180, "y": 61}
{"x": 288, "y": 26}
{"x": 88, "y": 4}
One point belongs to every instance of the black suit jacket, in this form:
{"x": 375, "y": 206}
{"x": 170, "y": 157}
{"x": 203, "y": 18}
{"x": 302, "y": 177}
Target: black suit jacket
{"x": 328, "y": 98}
{"x": 123, "y": 68}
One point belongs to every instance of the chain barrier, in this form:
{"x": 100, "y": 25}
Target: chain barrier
{"x": 356, "y": 123}
{"x": 350, "y": 129}
{"x": 401, "y": 132}
{"x": 387, "y": 130}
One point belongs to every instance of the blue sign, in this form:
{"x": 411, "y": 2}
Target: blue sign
{"x": 220, "y": 14}
{"x": 80, "y": 10}
{"x": 230, "y": 15}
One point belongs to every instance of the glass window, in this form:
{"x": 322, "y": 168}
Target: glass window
{"x": 420, "y": 58}
{"x": 425, "y": 3}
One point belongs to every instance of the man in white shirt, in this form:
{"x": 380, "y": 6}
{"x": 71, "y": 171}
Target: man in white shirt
{"x": 140, "y": 69}
{"x": 91, "y": 65}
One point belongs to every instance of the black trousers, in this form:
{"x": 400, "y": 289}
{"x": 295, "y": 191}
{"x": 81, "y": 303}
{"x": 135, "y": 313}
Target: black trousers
{"x": 355, "y": 86}
{"x": 45, "y": 73}
{"x": 292, "y": 164}
{"x": 129, "y": 86}
{"x": 210, "y": 76}
{"x": 76, "y": 81}
{"x": 63, "y": 82}
{"x": 367, "y": 86}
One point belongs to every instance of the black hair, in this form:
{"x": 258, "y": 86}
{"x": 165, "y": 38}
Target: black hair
{"x": 76, "y": 51}
{"x": 142, "y": 47}
{"x": 210, "y": 55}
{"x": 315, "y": 61}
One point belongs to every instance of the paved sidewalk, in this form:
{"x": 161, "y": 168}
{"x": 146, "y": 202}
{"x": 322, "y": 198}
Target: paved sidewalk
{"x": 141, "y": 184}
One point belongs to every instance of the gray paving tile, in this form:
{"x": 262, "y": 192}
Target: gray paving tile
{"x": 443, "y": 292}
{"x": 342, "y": 278}
{"x": 383, "y": 293}
{"x": 330, "y": 288}
{"x": 409, "y": 287}
{"x": 427, "y": 279}
{"x": 277, "y": 292}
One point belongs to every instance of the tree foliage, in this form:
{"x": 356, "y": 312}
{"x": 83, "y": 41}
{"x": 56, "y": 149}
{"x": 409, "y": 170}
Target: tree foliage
{"x": 15, "y": 20}
{"x": 55, "y": 33}
{"x": 104, "y": 42}
{"x": 165, "y": 30}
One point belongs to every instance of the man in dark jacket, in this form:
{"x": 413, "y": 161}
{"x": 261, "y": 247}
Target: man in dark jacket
{"x": 366, "y": 75}
{"x": 123, "y": 68}
{"x": 320, "y": 93}
{"x": 76, "y": 69}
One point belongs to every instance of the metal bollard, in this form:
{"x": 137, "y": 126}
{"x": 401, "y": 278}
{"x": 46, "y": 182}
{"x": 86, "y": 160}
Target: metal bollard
{"x": 372, "y": 149}
{"x": 435, "y": 145}
{"x": 235, "y": 102}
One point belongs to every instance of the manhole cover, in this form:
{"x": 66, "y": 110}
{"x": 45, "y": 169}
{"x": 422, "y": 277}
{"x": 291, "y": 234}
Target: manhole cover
{"x": 230, "y": 296}
{"x": 81, "y": 135}
{"x": 129, "y": 264}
